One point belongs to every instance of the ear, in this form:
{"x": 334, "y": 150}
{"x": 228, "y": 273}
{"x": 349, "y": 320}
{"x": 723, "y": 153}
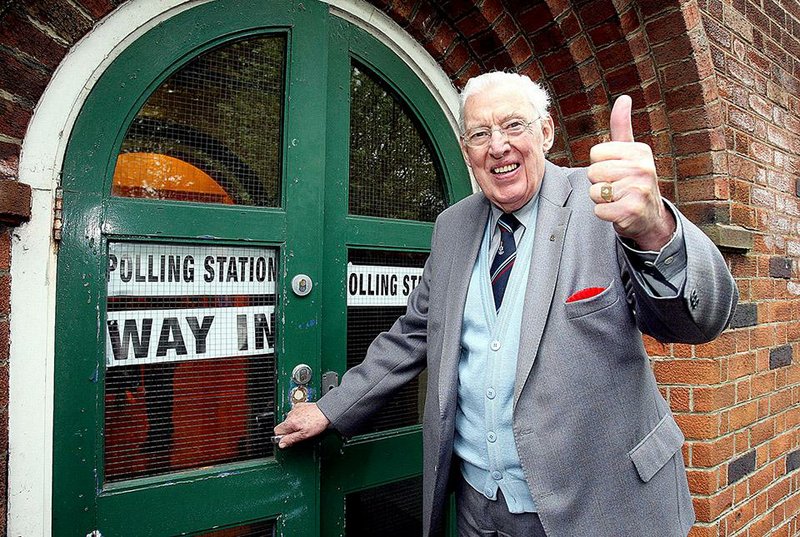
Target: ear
{"x": 464, "y": 152}
{"x": 548, "y": 133}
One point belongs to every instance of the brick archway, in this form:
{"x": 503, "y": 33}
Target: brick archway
{"x": 588, "y": 53}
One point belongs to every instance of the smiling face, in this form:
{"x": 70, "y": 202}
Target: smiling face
{"x": 509, "y": 171}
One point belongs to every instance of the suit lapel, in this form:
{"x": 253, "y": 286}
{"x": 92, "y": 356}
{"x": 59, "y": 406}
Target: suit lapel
{"x": 466, "y": 240}
{"x": 551, "y": 227}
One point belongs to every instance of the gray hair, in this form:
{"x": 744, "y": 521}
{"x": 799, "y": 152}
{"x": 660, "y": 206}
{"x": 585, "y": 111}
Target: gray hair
{"x": 536, "y": 94}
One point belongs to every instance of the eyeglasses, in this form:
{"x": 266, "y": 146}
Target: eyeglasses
{"x": 481, "y": 136}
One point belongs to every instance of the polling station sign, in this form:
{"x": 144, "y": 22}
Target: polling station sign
{"x": 152, "y": 269}
{"x": 171, "y": 335}
{"x": 371, "y": 285}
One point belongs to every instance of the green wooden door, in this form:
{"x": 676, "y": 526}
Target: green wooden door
{"x": 211, "y": 165}
{"x": 394, "y": 164}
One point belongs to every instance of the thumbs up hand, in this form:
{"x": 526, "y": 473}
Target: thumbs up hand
{"x": 624, "y": 184}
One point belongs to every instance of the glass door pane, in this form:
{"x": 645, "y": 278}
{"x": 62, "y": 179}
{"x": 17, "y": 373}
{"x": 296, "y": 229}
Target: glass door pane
{"x": 393, "y": 510}
{"x": 190, "y": 356}
{"x": 378, "y": 285}
{"x": 260, "y": 529}
{"x": 211, "y": 132}
{"x": 393, "y": 171}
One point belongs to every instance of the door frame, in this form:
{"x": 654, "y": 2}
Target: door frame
{"x": 32, "y": 325}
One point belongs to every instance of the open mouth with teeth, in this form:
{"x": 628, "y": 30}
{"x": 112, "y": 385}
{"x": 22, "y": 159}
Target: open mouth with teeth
{"x": 505, "y": 169}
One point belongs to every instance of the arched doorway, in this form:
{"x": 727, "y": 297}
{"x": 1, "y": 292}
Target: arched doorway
{"x": 249, "y": 187}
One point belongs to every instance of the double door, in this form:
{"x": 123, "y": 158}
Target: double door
{"x": 249, "y": 193}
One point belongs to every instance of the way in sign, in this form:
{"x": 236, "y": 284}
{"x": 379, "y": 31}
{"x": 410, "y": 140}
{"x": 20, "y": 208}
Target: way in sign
{"x": 152, "y": 336}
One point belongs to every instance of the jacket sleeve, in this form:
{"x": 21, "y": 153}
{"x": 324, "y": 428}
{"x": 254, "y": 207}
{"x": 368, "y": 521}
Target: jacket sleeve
{"x": 703, "y": 306}
{"x": 393, "y": 359}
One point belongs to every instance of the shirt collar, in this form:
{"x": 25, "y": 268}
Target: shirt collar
{"x": 523, "y": 214}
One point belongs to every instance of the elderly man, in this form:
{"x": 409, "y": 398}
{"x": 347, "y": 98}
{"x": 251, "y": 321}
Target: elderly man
{"x": 542, "y": 411}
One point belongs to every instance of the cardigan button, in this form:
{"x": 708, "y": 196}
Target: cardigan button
{"x": 495, "y": 346}
{"x": 490, "y": 393}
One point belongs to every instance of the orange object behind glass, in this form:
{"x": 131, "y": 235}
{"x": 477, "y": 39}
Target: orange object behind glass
{"x": 152, "y": 175}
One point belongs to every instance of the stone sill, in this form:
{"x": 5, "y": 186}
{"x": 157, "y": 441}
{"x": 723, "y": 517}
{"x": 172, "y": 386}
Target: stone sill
{"x": 730, "y": 238}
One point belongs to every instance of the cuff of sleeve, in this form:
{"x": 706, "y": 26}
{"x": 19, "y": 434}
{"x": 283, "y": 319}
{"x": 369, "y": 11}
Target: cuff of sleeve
{"x": 328, "y": 413}
{"x": 661, "y": 273}
{"x": 669, "y": 262}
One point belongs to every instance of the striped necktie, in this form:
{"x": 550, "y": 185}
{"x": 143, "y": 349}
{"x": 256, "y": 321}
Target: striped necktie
{"x": 503, "y": 262}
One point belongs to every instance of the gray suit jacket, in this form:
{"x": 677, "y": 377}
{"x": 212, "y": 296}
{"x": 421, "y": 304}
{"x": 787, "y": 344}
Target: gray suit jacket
{"x": 599, "y": 447}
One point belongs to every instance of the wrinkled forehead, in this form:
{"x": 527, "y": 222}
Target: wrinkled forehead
{"x": 495, "y": 105}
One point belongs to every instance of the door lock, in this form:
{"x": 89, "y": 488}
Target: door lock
{"x": 301, "y": 374}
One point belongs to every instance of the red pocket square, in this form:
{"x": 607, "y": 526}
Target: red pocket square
{"x": 583, "y": 294}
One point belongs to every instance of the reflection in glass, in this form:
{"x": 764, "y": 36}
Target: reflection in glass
{"x": 378, "y": 286}
{"x": 211, "y": 132}
{"x": 392, "y": 510}
{"x": 393, "y": 173}
{"x": 260, "y": 529}
{"x": 190, "y": 357}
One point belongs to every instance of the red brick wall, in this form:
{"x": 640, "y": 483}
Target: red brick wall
{"x": 716, "y": 91}
{"x": 746, "y": 423}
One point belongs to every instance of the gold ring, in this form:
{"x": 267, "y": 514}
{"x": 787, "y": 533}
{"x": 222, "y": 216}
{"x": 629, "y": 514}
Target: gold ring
{"x": 607, "y": 193}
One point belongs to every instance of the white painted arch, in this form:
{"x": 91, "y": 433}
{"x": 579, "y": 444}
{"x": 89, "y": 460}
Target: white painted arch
{"x": 34, "y": 254}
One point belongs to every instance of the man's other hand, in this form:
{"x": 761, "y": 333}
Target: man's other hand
{"x": 302, "y": 422}
{"x": 633, "y": 202}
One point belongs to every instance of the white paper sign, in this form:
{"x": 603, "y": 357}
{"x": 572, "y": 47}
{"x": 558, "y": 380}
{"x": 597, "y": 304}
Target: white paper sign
{"x": 153, "y": 336}
{"x": 369, "y": 285}
{"x": 136, "y": 269}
